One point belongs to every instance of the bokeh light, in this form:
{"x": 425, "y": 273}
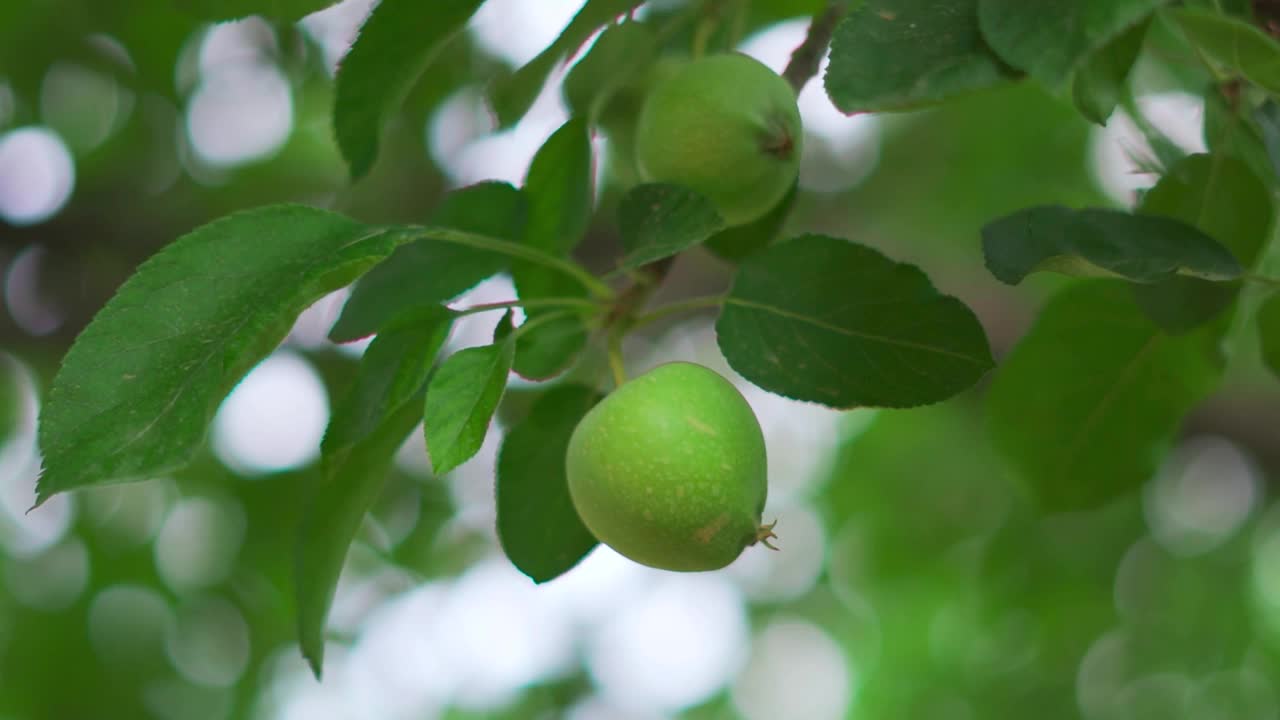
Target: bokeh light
{"x": 275, "y": 417}
{"x": 37, "y": 175}
{"x": 1122, "y": 158}
{"x": 242, "y": 109}
{"x": 198, "y": 543}
{"x": 672, "y": 644}
{"x": 796, "y": 670}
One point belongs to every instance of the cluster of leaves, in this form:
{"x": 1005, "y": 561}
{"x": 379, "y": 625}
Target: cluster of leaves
{"x": 1084, "y": 406}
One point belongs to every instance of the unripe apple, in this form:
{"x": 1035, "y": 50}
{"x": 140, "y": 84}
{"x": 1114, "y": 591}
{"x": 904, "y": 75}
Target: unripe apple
{"x": 727, "y": 127}
{"x": 669, "y": 470}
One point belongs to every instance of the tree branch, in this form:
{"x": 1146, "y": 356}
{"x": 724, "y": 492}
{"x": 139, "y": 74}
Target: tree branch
{"x": 806, "y": 58}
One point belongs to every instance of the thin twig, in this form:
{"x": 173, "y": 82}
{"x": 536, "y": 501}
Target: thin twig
{"x": 806, "y": 59}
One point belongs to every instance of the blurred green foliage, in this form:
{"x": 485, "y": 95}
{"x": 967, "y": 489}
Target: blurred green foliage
{"x": 948, "y": 591}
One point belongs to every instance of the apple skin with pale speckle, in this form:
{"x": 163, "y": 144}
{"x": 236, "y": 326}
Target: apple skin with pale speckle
{"x": 669, "y": 470}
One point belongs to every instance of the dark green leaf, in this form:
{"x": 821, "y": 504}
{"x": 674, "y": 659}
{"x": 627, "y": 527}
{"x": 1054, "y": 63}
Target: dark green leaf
{"x": 461, "y": 400}
{"x": 660, "y": 220}
{"x": 1142, "y": 248}
{"x": 136, "y": 392}
{"x": 394, "y": 368}
{"x": 395, "y": 45}
{"x": 1269, "y": 332}
{"x": 1088, "y": 402}
{"x": 1050, "y": 39}
{"x": 1233, "y": 43}
{"x": 512, "y": 96}
{"x": 619, "y": 55}
{"x": 1267, "y": 117}
{"x": 547, "y": 348}
{"x": 1100, "y": 84}
{"x": 902, "y": 54}
{"x": 824, "y": 320}
{"x": 351, "y": 482}
{"x": 1221, "y": 196}
{"x": 537, "y": 523}
{"x": 1228, "y": 132}
{"x": 289, "y": 10}
{"x": 428, "y": 272}
{"x": 558, "y": 187}
{"x": 737, "y": 242}
{"x": 559, "y": 193}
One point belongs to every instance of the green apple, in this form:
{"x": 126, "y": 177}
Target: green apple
{"x": 669, "y": 470}
{"x": 727, "y": 127}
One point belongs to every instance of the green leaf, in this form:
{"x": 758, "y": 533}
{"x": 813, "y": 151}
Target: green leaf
{"x": 394, "y": 368}
{"x": 1235, "y": 44}
{"x": 661, "y": 220}
{"x": 619, "y": 55}
{"x": 137, "y": 390}
{"x": 397, "y": 42}
{"x": 537, "y": 524}
{"x": 1221, "y": 196}
{"x": 737, "y": 242}
{"x": 1086, "y": 405}
{"x": 558, "y": 188}
{"x": 1267, "y": 116}
{"x": 902, "y": 54}
{"x": 461, "y": 400}
{"x": 351, "y": 482}
{"x": 1051, "y": 39}
{"x": 1141, "y": 248}
{"x": 1229, "y": 132}
{"x": 548, "y": 347}
{"x": 824, "y": 320}
{"x": 428, "y": 272}
{"x": 1268, "y": 319}
{"x": 1100, "y": 84}
{"x": 288, "y": 10}
{"x": 512, "y": 96}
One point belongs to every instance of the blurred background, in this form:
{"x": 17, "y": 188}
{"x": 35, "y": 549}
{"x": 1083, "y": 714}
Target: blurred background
{"x": 915, "y": 579}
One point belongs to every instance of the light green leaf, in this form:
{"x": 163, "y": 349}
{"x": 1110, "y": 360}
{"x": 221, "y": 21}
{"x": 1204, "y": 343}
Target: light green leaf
{"x": 1051, "y": 39}
{"x": 661, "y": 220}
{"x": 288, "y": 10}
{"x": 902, "y": 54}
{"x": 461, "y": 400}
{"x": 397, "y": 42}
{"x": 1221, "y": 196}
{"x": 1233, "y": 43}
{"x": 512, "y": 96}
{"x": 824, "y": 320}
{"x": 1086, "y": 405}
{"x": 1268, "y": 319}
{"x": 1141, "y": 248}
{"x": 393, "y": 369}
{"x": 428, "y": 272}
{"x": 621, "y": 54}
{"x": 137, "y": 390}
{"x": 351, "y": 482}
{"x": 1100, "y": 84}
{"x": 538, "y": 526}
